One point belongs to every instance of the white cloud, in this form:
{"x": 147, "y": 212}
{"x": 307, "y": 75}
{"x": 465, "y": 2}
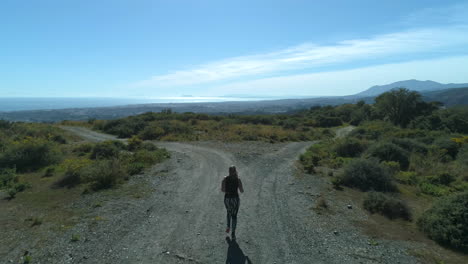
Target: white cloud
{"x": 309, "y": 56}
{"x": 451, "y": 34}
{"x": 347, "y": 82}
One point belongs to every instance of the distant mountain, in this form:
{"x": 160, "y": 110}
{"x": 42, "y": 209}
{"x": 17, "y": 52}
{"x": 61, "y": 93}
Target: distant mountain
{"x": 449, "y": 97}
{"x": 414, "y": 85}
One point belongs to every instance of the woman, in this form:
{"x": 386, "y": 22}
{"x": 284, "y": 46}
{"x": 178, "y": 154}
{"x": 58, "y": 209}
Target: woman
{"x": 229, "y": 186}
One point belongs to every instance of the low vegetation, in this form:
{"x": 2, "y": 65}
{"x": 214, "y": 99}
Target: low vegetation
{"x": 387, "y": 205}
{"x": 367, "y": 175}
{"x": 170, "y": 126}
{"x": 447, "y": 222}
{"x": 29, "y": 147}
{"x": 404, "y": 148}
{"x": 75, "y": 238}
{"x": 27, "y": 259}
{"x": 26, "y": 148}
{"x": 105, "y": 164}
{"x": 46, "y": 150}
{"x": 45, "y": 172}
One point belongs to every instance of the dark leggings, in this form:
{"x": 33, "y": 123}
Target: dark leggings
{"x": 232, "y": 207}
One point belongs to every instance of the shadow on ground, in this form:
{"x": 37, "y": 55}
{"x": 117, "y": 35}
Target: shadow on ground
{"x": 235, "y": 254}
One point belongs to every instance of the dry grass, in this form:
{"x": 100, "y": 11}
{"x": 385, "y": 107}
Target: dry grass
{"x": 321, "y": 205}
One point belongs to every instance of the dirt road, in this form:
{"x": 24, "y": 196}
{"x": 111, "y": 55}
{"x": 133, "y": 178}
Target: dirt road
{"x": 183, "y": 220}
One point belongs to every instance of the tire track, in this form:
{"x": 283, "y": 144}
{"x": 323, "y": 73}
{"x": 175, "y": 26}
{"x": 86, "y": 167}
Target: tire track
{"x": 187, "y": 216}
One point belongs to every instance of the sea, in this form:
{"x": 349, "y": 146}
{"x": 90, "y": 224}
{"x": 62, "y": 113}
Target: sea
{"x": 43, "y": 103}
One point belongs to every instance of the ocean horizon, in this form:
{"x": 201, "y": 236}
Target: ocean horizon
{"x": 49, "y": 103}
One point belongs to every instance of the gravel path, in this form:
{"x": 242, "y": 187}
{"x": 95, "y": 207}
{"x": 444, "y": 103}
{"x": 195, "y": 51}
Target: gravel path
{"x": 344, "y": 131}
{"x": 183, "y": 219}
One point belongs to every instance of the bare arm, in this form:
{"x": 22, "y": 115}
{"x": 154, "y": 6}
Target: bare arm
{"x": 241, "y": 188}
{"x": 223, "y": 185}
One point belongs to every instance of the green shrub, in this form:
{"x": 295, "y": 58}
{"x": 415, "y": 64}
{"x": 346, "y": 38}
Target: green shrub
{"x": 389, "y": 206}
{"x": 393, "y": 167}
{"x": 433, "y": 163}
{"x": 104, "y": 174}
{"x": 12, "y": 193}
{"x": 462, "y": 156}
{"x": 327, "y": 133}
{"x": 20, "y": 187}
{"x": 8, "y": 178}
{"x": 70, "y": 179}
{"x": 9, "y": 181}
{"x": 337, "y": 162}
{"x": 49, "y": 172}
{"x": 75, "y": 238}
{"x": 143, "y": 158}
{"x": 135, "y": 168}
{"x": 349, "y": 147}
{"x": 73, "y": 172}
{"x": 367, "y": 175}
{"x": 407, "y": 177}
{"x": 5, "y": 124}
{"x": 373, "y": 130}
{"x": 442, "y": 178}
{"x": 123, "y": 128}
{"x": 290, "y": 124}
{"x": 410, "y": 145}
{"x": 433, "y": 189}
{"x": 389, "y": 152}
{"x": 314, "y": 154}
{"x": 134, "y": 143}
{"x": 429, "y": 122}
{"x": 27, "y": 259}
{"x": 447, "y": 221}
{"x": 152, "y": 132}
{"x": 83, "y": 149}
{"x": 327, "y": 121}
{"x": 59, "y": 139}
{"x": 150, "y": 157}
{"x": 16, "y": 188}
{"x": 309, "y": 162}
{"x": 411, "y": 134}
{"x": 337, "y": 182}
{"x": 30, "y": 154}
{"x": 448, "y": 145}
{"x": 148, "y": 146}
{"x": 460, "y": 186}
{"x": 107, "y": 149}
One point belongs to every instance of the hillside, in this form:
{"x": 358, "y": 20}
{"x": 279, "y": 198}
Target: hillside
{"x": 414, "y": 85}
{"x": 450, "y": 97}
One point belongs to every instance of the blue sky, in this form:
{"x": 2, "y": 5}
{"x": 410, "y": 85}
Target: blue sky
{"x": 114, "y": 48}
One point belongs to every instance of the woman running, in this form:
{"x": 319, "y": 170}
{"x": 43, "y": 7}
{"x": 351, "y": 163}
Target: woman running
{"x": 229, "y": 186}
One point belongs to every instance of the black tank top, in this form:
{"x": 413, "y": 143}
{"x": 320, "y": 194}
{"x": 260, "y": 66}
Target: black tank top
{"x": 232, "y": 184}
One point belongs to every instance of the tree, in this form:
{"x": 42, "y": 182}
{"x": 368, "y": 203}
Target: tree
{"x": 402, "y": 105}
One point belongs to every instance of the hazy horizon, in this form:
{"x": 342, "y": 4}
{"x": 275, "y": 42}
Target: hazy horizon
{"x": 9, "y": 104}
